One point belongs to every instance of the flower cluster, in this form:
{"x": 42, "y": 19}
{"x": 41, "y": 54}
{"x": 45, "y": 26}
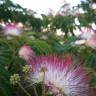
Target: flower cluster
{"x": 89, "y": 36}
{"x": 15, "y": 79}
{"x": 26, "y": 52}
{"x": 61, "y": 76}
{"x": 13, "y": 29}
{"x": 27, "y": 69}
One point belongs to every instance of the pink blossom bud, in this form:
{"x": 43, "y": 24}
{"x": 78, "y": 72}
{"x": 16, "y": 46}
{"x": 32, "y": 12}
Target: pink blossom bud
{"x": 26, "y": 52}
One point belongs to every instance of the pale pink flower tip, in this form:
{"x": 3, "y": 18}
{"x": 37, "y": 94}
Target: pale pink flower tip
{"x": 91, "y": 42}
{"x": 26, "y": 52}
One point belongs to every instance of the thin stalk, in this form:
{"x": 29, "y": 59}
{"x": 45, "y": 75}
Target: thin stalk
{"x": 43, "y": 85}
{"x": 33, "y": 86}
{"x": 23, "y": 89}
{"x": 35, "y": 91}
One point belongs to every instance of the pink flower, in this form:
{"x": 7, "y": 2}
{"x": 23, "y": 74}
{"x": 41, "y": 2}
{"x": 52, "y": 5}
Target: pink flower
{"x": 26, "y": 52}
{"x": 86, "y": 33}
{"x": 13, "y": 29}
{"x": 60, "y": 74}
{"x": 91, "y": 42}
{"x": 90, "y": 37}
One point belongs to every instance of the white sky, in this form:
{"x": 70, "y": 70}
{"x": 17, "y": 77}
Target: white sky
{"x": 42, "y": 6}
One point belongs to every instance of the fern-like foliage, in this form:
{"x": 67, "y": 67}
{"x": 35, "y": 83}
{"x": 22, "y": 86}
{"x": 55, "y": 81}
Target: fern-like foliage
{"x": 10, "y": 62}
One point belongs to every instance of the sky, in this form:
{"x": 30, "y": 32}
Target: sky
{"x": 43, "y": 6}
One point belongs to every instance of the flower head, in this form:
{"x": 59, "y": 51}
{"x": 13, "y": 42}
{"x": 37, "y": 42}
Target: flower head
{"x": 27, "y": 69}
{"x": 91, "y": 42}
{"x": 13, "y": 29}
{"x": 26, "y": 52}
{"x": 60, "y": 75}
{"x": 89, "y": 36}
{"x": 15, "y": 79}
{"x": 86, "y": 33}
